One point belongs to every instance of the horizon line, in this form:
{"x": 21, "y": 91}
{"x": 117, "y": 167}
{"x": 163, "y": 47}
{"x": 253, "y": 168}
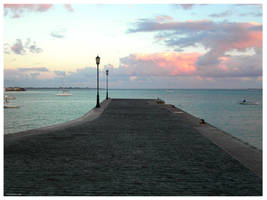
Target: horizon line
{"x": 138, "y": 88}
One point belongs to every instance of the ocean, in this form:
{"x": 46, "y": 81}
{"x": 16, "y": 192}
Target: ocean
{"x": 219, "y": 107}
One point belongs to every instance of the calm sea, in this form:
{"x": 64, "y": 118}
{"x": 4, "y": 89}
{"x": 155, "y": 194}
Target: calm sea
{"x": 221, "y": 108}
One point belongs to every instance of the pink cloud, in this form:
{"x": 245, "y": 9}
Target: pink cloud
{"x": 251, "y": 39}
{"x": 69, "y": 7}
{"x": 132, "y": 78}
{"x": 240, "y": 36}
{"x": 219, "y": 37}
{"x": 224, "y": 58}
{"x": 18, "y": 9}
{"x": 37, "y": 7}
{"x": 199, "y": 78}
{"x": 161, "y": 64}
{"x": 186, "y": 6}
{"x": 162, "y": 18}
{"x": 186, "y": 64}
{"x": 222, "y": 66}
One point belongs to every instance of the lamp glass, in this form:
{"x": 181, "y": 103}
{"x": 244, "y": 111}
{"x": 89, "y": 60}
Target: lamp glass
{"x": 97, "y": 60}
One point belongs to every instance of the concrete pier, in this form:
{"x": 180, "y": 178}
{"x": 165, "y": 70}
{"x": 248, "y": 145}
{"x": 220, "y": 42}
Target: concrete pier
{"x": 131, "y": 147}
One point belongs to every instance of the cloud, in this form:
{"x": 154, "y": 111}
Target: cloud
{"x": 39, "y": 69}
{"x": 57, "y": 35}
{"x": 253, "y": 5}
{"x": 233, "y": 67}
{"x": 69, "y": 7}
{"x": 60, "y": 33}
{"x": 34, "y": 75}
{"x": 21, "y": 49}
{"x": 151, "y": 25}
{"x": 159, "y": 64}
{"x": 186, "y": 6}
{"x": 34, "y": 49}
{"x": 12, "y": 74}
{"x": 186, "y": 64}
{"x": 253, "y": 14}
{"x": 43, "y": 77}
{"x": 27, "y": 78}
{"x": 217, "y": 38}
{"x": 133, "y": 78}
{"x": 59, "y": 73}
{"x": 157, "y": 70}
{"x": 6, "y": 48}
{"x": 18, "y": 48}
{"x": 223, "y": 14}
{"x": 18, "y": 9}
{"x": 257, "y": 10}
{"x": 162, "y": 18}
{"x": 34, "y": 7}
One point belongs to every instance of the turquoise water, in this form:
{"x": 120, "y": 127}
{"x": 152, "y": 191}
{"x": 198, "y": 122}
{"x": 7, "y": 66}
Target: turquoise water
{"x": 221, "y": 108}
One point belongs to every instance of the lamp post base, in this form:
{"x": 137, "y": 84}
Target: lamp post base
{"x": 97, "y": 102}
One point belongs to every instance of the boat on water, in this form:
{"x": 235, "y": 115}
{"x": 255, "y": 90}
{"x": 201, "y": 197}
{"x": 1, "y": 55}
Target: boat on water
{"x": 10, "y": 98}
{"x": 7, "y": 103}
{"x": 63, "y": 91}
{"x": 10, "y": 106}
{"x": 246, "y": 102}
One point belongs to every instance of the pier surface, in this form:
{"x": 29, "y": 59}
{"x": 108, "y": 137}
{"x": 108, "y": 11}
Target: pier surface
{"x": 129, "y": 147}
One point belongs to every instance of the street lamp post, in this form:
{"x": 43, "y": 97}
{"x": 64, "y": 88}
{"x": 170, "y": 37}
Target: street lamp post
{"x": 97, "y": 97}
{"x": 107, "y": 83}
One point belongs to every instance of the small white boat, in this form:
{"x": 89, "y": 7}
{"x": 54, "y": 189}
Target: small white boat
{"x": 10, "y": 98}
{"x": 64, "y": 93}
{"x": 246, "y": 102}
{"x": 7, "y": 104}
{"x": 10, "y": 106}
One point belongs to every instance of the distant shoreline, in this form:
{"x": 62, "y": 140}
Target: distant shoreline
{"x": 15, "y": 89}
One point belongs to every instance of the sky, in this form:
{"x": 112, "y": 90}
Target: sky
{"x": 142, "y": 45}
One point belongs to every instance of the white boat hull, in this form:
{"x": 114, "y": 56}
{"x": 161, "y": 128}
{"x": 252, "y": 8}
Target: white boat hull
{"x": 249, "y": 103}
{"x": 11, "y": 106}
{"x": 10, "y": 98}
{"x": 7, "y": 104}
{"x": 64, "y": 94}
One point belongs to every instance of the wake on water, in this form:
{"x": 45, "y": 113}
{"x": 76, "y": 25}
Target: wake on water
{"x": 249, "y": 103}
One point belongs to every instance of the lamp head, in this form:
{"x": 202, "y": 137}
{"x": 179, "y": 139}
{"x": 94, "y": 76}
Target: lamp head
{"x": 97, "y": 60}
